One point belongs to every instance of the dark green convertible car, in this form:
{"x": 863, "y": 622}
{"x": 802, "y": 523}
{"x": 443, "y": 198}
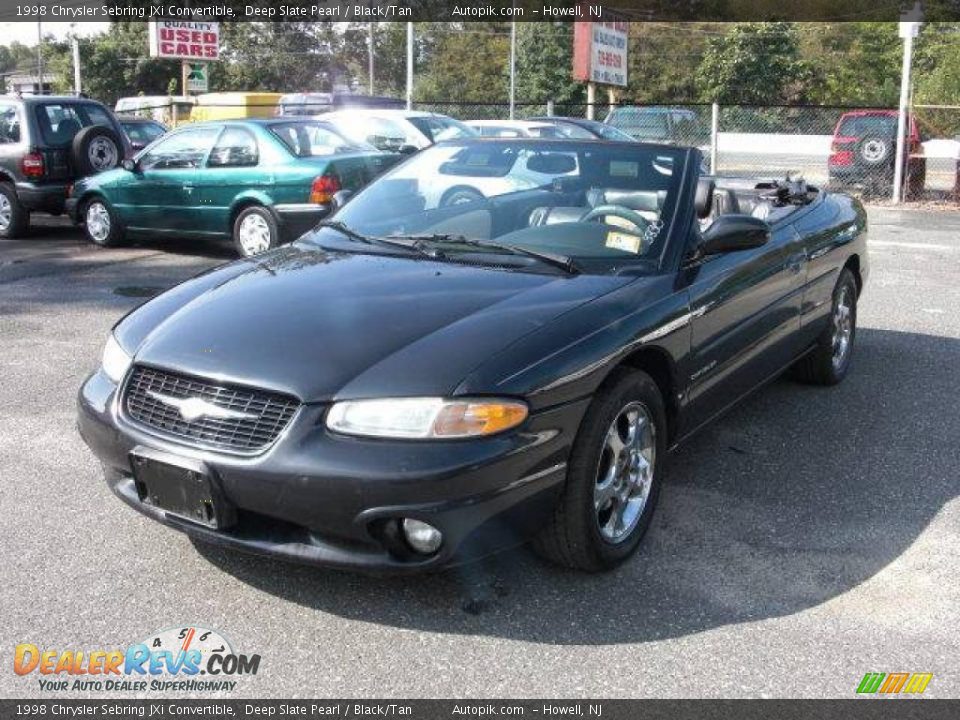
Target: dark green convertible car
{"x": 259, "y": 182}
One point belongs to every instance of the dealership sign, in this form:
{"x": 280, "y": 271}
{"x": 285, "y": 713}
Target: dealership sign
{"x": 600, "y": 52}
{"x": 184, "y": 40}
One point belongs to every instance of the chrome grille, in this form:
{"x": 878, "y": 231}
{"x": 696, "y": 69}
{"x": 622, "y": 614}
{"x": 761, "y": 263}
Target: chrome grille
{"x": 270, "y": 412}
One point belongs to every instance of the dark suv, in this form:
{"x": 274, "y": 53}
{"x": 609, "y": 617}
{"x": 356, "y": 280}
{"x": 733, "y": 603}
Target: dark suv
{"x": 46, "y": 143}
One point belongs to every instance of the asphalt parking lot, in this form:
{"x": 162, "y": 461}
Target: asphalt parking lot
{"x": 809, "y": 537}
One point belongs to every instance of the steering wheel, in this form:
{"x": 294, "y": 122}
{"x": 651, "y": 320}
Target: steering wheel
{"x": 631, "y": 216}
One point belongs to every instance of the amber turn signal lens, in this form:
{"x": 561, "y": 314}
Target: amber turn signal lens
{"x": 469, "y": 419}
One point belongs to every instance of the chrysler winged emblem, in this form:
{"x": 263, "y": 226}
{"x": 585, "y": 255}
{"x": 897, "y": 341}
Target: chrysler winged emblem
{"x": 195, "y": 408}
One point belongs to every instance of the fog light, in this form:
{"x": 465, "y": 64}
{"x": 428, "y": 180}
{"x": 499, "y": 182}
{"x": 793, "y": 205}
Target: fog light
{"x": 423, "y": 538}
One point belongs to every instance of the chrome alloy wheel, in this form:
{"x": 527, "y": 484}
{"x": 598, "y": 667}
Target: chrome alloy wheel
{"x": 98, "y": 221}
{"x": 6, "y": 212}
{"x": 254, "y": 235}
{"x": 625, "y": 472}
{"x": 842, "y": 327}
{"x": 102, "y": 153}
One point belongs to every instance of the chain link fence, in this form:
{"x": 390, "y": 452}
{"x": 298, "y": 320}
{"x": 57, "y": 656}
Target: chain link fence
{"x": 848, "y": 148}
{"x": 842, "y": 147}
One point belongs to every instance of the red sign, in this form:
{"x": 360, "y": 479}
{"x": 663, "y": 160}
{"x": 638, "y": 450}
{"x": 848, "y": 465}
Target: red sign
{"x": 185, "y": 40}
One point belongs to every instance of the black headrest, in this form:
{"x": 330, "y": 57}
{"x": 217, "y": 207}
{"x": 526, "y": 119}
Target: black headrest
{"x": 650, "y": 200}
{"x": 703, "y": 200}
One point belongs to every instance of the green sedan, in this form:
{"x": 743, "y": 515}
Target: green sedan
{"x": 259, "y": 182}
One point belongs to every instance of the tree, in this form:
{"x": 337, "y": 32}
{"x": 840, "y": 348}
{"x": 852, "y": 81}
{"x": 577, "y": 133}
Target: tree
{"x": 275, "y": 56}
{"x": 663, "y": 59}
{"x": 936, "y": 69}
{"x": 545, "y": 64}
{"x": 115, "y": 64}
{"x": 467, "y": 64}
{"x": 856, "y": 63}
{"x": 755, "y": 64}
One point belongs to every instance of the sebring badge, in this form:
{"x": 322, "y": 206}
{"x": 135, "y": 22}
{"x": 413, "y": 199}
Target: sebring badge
{"x": 195, "y": 408}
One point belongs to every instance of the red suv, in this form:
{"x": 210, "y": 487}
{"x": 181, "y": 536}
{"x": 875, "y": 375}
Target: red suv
{"x": 863, "y": 150}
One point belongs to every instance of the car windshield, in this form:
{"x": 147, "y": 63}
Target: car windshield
{"x": 641, "y": 123}
{"x": 439, "y": 127}
{"x": 599, "y": 205}
{"x": 142, "y": 133}
{"x": 591, "y": 129}
{"x": 315, "y": 139}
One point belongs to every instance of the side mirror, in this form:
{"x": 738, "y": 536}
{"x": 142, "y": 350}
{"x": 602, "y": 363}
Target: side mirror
{"x": 730, "y": 233}
{"x": 129, "y": 165}
{"x": 407, "y": 149}
{"x": 340, "y": 198}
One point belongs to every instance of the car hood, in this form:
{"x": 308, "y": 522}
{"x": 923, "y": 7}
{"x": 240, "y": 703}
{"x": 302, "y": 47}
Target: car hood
{"x": 323, "y": 324}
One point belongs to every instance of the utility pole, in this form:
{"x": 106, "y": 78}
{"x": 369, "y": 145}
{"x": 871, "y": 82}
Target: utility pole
{"x": 409, "y": 66}
{"x": 908, "y": 31}
{"x": 39, "y": 60}
{"x": 75, "y": 46}
{"x": 370, "y": 56}
{"x": 513, "y": 65}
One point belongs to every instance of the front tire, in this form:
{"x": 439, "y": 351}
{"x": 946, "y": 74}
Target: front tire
{"x": 829, "y": 362}
{"x": 101, "y": 225}
{"x": 613, "y": 478}
{"x": 255, "y": 231}
{"x": 14, "y": 217}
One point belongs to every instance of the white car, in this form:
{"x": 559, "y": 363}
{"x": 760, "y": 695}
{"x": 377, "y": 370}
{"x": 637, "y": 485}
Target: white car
{"x": 470, "y": 174}
{"x": 396, "y": 130}
{"x": 516, "y": 128}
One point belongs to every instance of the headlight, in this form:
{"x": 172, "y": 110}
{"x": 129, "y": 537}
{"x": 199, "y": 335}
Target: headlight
{"x": 115, "y": 361}
{"x": 425, "y": 418}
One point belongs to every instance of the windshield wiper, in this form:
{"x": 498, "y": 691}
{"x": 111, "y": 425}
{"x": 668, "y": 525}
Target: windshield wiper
{"x": 565, "y": 263}
{"x": 344, "y": 230}
{"x": 409, "y": 244}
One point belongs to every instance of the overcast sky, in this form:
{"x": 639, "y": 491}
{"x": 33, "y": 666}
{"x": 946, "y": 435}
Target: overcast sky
{"x": 26, "y": 32}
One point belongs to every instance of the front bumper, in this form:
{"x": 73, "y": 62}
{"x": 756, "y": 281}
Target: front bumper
{"x": 318, "y": 498}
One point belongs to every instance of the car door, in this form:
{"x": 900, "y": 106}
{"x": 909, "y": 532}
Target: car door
{"x": 745, "y": 320}
{"x": 232, "y": 169}
{"x": 161, "y": 197}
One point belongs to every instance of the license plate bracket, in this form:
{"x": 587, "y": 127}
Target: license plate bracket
{"x": 182, "y": 488}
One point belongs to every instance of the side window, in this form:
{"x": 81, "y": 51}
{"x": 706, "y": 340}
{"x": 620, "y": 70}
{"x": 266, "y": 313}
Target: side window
{"x": 96, "y": 116}
{"x": 182, "y": 150}
{"x": 58, "y": 123}
{"x": 9, "y": 124}
{"x": 237, "y": 147}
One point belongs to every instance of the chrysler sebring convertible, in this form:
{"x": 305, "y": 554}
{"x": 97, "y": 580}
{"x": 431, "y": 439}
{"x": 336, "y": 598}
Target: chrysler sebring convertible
{"x": 415, "y": 384}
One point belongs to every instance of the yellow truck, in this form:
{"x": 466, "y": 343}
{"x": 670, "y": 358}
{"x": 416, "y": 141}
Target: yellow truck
{"x": 234, "y": 105}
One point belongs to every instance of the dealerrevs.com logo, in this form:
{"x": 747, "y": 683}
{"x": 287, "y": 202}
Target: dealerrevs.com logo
{"x": 182, "y": 659}
{"x": 894, "y": 683}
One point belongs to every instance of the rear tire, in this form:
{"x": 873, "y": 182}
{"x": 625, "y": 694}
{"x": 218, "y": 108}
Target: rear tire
{"x": 255, "y": 231}
{"x": 101, "y": 225}
{"x": 585, "y": 531}
{"x": 14, "y": 217}
{"x": 829, "y": 362}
